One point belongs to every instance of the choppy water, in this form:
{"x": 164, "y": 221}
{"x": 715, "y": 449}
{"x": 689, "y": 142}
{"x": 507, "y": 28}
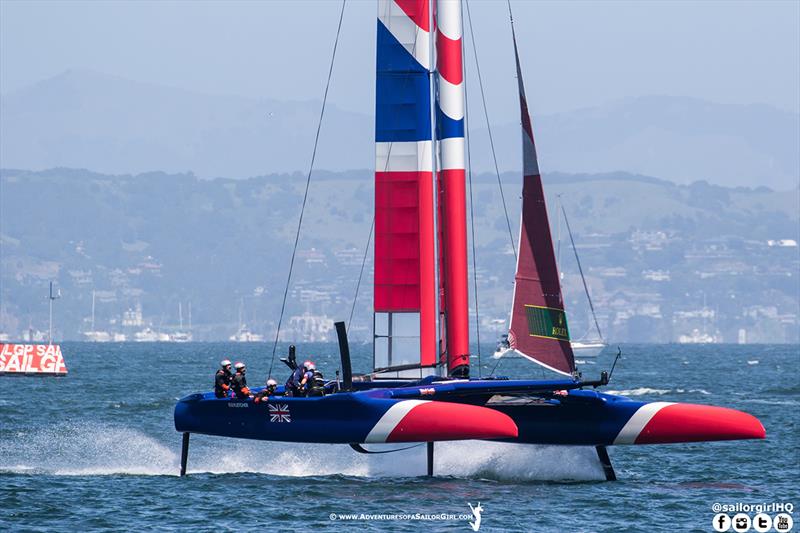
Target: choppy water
{"x": 97, "y": 450}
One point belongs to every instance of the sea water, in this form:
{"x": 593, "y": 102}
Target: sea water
{"x": 98, "y": 450}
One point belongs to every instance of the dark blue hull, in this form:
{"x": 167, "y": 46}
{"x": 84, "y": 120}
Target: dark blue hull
{"x": 456, "y": 410}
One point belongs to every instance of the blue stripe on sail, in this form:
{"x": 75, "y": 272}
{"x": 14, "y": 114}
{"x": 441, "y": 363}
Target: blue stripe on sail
{"x": 402, "y": 93}
{"x": 393, "y": 56}
{"x": 446, "y": 127}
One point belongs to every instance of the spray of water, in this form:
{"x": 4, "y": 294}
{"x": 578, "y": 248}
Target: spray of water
{"x": 96, "y": 449}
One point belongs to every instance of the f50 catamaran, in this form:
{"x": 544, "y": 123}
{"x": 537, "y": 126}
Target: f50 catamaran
{"x": 420, "y": 389}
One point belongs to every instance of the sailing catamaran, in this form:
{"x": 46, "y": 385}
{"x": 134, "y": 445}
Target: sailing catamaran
{"x": 420, "y": 389}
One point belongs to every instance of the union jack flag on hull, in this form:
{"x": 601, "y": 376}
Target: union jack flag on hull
{"x": 279, "y": 413}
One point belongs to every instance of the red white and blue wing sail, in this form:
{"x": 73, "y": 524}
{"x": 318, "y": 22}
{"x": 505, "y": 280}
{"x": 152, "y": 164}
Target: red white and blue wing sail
{"x": 451, "y": 185}
{"x": 405, "y": 263}
{"x": 538, "y": 322}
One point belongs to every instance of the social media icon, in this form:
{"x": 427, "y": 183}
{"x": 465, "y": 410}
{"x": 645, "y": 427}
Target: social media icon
{"x": 783, "y": 522}
{"x": 721, "y": 522}
{"x": 741, "y": 523}
{"x": 762, "y": 522}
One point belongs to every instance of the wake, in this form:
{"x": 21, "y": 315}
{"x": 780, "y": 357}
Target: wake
{"x": 102, "y": 450}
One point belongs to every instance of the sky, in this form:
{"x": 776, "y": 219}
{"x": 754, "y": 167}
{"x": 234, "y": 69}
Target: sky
{"x": 575, "y": 54}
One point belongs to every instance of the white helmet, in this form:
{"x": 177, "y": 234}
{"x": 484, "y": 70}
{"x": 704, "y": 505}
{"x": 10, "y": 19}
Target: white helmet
{"x": 307, "y": 364}
{"x": 311, "y": 366}
{"x": 272, "y": 383}
{"x": 239, "y": 366}
{"x": 224, "y": 363}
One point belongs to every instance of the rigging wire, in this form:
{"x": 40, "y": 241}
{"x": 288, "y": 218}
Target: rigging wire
{"x": 361, "y": 272}
{"x": 580, "y": 269}
{"x": 308, "y": 183}
{"x": 489, "y": 128}
{"x": 472, "y": 217}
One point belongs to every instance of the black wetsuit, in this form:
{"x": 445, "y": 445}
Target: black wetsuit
{"x": 222, "y": 383}
{"x": 240, "y": 386}
{"x": 264, "y": 395}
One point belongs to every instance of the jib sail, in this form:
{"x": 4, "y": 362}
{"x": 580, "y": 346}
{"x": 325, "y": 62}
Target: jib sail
{"x": 539, "y": 328}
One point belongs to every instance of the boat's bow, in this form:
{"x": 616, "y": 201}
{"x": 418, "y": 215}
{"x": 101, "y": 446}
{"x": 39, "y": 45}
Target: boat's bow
{"x": 665, "y": 422}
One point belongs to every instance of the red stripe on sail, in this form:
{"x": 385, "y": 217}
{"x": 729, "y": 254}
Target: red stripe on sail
{"x": 417, "y": 10}
{"x": 404, "y": 251}
{"x": 456, "y": 298}
{"x": 449, "y": 58}
{"x": 427, "y": 276}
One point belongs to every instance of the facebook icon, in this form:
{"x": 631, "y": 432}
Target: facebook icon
{"x": 721, "y": 522}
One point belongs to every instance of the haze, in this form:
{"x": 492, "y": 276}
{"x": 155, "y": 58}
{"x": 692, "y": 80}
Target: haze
{"x": 576, "y": 54}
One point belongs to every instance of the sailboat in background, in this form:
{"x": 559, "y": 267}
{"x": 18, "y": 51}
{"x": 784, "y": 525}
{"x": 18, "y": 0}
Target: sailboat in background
{"x": 584, "y": 346}
{"x": 93, "y": 335}
{"x": 420, "y": 389}
{"x": 182, "y": 335}
{"x": 243, "y": 334}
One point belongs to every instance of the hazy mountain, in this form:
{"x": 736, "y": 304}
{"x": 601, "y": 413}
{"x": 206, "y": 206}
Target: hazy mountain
{"x": 650, "y": 248}
{"x": 679, "y": 139}
{"x": 90, "y": 120}
{"x": 85, "y": 119}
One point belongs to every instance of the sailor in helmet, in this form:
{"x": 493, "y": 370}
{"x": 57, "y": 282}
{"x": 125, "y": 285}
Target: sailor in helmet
{"x": 239, "y": 384}
{"x": 308, "y": 378}
{"x": 266, "y": 392}
{"x": 293, "y": 384}
{"x": 223, "y": 379}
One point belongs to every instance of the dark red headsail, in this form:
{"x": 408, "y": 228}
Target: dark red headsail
{"x": 538, "y": 322}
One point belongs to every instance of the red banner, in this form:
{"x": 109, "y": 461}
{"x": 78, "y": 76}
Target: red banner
{"x": 32, "y": 359}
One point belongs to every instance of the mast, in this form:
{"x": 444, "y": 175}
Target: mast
{"x": 580, "y": 269}
{"x": 52, "y": 297}
{"x": 93, "y": 310}
{"x": 451, "y": 188}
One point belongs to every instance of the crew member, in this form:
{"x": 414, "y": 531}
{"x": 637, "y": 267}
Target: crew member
{"x": 223, "y": 379}
{"x": 268, "y": 391}
{"x": 316, "y": 387}
{"x": 296, "y": 379}
{"x": 308, "y": 378}
{"x": 239, "y": 384}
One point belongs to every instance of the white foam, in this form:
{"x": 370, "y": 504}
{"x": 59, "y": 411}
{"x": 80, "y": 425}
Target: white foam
{"x": 99, "y": 450}
{"x": 640, "y": 391}
{"x": 505, "y": 461}
{"x": 93, "y": 449}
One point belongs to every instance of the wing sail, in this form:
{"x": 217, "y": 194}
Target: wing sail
{"x": 405, "y": 261}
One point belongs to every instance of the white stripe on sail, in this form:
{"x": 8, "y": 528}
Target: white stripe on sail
{"x": 451, "y": 98}
{"x": 412, "y": 156}
{"x": 412, "y": 37}
{"x": 448, "y": 18}
{"x": 452, "y": 156}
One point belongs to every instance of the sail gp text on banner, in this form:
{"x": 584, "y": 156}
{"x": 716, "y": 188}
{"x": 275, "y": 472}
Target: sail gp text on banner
{"x": 32, "y": 359}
